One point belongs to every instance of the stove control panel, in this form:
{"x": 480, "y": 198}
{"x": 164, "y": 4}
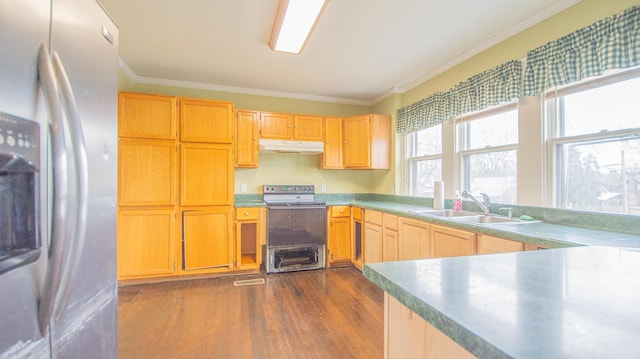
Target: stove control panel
{"x": 289, "y": 189}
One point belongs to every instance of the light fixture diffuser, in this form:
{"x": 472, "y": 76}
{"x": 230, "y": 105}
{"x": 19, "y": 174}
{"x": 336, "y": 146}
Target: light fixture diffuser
{"x": 293, "y": 24}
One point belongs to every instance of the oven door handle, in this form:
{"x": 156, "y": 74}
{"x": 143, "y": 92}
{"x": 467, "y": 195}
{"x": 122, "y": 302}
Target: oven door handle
{"x": 280, "y": 208}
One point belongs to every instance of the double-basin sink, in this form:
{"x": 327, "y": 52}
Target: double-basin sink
{"x": 469, "y": 217}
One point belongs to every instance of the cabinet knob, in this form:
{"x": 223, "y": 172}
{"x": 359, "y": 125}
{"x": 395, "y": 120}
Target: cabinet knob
{"x": 289, "y": 126}
{"x": 246, "y": 213}
{"x": 254, "y": 138}
{"x": 342, "y": 211}
{"x": 346, "y": 141}
{"x": 296, "y": 126}
{"x": 327, "y": 142}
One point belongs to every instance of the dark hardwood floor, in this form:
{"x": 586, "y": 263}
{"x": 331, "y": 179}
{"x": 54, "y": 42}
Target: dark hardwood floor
{"x": 332, "y": 313}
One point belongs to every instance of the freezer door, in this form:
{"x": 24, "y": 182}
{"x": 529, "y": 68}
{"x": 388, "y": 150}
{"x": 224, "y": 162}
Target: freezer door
{"x": 24, "y": 26}
{"x": 84, "y": 324}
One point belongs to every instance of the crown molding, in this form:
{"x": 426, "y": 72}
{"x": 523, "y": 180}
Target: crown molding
{"x": 231, "y": 89}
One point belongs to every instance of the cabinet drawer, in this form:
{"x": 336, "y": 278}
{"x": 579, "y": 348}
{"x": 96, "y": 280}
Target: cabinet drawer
{"x": 340, "y": 211}
{"x": 390, "y": 221}
{"x": 373, "y": 217}
{"x": 247, "y": 213}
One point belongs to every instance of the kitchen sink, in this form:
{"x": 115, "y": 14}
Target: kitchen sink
{"x": 470, "y": 217}
{"x": 444, "y": 213}
{"x": 490, "y": 219}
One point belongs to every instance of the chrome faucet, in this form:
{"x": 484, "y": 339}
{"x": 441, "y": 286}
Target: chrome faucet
{"x": 483, "y": 206}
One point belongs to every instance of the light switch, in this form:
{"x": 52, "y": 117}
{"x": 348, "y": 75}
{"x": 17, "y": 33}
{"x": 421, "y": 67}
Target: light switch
{"x": 243, "y": 187}
{"x": 324, "y": 188}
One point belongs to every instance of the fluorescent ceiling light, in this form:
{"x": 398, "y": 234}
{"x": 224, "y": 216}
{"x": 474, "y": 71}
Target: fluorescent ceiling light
{"x": 294, "y": 22}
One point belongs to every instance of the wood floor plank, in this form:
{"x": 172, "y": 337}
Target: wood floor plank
{"x": 332, "y": 313}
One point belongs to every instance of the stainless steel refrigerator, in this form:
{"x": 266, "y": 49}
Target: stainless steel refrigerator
{"x": 58, "y": 180}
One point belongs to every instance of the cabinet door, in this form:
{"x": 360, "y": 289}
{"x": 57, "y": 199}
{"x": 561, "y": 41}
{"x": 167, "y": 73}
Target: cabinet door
{"x": 147, "y": 116}
{"x": 205, "y": 240}
{"x": 339, "y": 239}
{"x": 407, "y": 335}
{"x": 276, "y": 125}
{"x": 414, "y": 240}
{"x": 146, "y": 243}
{"x": 357, "y": 142}
{"x": 207, "y": 174}
{"x": 147, "y": 172}
{"x": 372, "y": 243}
{"x": 332, "y": 155}
{"x": 247, "y": 125}
{"x": 357, "y": 229}
{"x": 308, "y": 128}
{"x": 390, "y": 245}
{"x": 206, "y": 121}
{"x": 449, "y": 242}
{"x": 490, "y": 244}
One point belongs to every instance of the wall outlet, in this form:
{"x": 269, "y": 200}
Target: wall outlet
{"x": 243, "y": 188}
{"x": 323, "y": 188}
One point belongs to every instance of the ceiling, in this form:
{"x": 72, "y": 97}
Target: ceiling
{"x": 360, "y": 52}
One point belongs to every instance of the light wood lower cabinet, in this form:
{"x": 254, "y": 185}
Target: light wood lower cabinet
{"x": 339, "y": 235}
{"x": 449, "y": 242}
{"x": 407, "y": 335}
{"x": 250, "y": 233}
{"x": 357, "y": 232}
{"x": 389, "y": 237}
{"x": 146, "y": 243}
{"x": 414, "y": 239}
{"x": 490, "y": 244}
{"x": 372, "y": 236}
{"x": 205, "y": 240}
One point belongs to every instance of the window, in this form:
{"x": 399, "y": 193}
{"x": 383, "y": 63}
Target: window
{"x": 487, "y": 145}
{"x": 424, "y": 155}
{"x": 595, "y": 144}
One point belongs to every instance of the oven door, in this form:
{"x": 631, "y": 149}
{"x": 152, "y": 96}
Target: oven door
{"x": 296, "y": 225}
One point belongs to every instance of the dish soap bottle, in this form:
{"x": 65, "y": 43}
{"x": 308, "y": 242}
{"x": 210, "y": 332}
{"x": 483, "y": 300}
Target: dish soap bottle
{"x": 457, "y": 202}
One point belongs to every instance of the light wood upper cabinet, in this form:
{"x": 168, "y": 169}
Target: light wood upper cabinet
{"x": 331, "y": 158}
{"x": 207, "y": 174}
{"x": 146, "y": 242}
{"x": 276, "y": 125}
{"x": 449, "y": 242}
{"x": 308, "y": 128}
{"x": 247, "y": 133}
{"x": 206, "y": 121}
{"x": 490, "y": 244}
{"x": 367, "y": 142}
{"x": 147, "y": 116}
{"x": 286, "y": 126}
{"x": 147, "y": 172}
{"x": 206, "y": 239}
{"x": 414, "y": 240}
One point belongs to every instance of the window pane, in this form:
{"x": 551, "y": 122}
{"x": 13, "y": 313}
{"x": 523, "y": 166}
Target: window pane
{"x": 423, "y": 174}
{"x": 493, "y": 173}
{"x": 428, "y": 141}
{"x": 495, "y": 130}
{"x": 601, "y": 176}
{"x": 611, "y": 107}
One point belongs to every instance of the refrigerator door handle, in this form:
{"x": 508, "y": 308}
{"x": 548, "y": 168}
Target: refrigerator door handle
{"x": 79, "y": 155}
{"x": 61, "y": 205}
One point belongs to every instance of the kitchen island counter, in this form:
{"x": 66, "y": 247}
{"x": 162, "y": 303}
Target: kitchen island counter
{"x": 559, "y": 303}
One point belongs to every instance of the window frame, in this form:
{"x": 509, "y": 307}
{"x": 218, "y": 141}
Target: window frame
{"x": 462, "y": 155}
{"x": 553, "y": 102}
{"x": 410, "y": 145}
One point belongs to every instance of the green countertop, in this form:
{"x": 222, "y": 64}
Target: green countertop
{"x": 577, "y": 302}
{"x": 553, "y": 235}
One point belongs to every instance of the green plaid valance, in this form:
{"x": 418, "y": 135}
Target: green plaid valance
{"x": 489, "y": 88}
{"x": 612, "y": 43}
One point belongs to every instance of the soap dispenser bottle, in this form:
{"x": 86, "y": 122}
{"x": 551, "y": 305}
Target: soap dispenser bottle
{"x": 457, "y": 202}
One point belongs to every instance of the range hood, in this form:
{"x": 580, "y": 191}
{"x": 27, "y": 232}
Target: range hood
{"x": 291, "y": 146}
